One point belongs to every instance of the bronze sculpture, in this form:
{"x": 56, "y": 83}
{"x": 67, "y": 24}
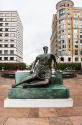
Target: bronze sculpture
{"x": 41, "y": 70}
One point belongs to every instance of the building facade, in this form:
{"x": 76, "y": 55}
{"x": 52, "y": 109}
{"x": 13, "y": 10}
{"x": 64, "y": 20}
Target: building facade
{"x": 11, "y": 37}
{"x": 66, "y": 38}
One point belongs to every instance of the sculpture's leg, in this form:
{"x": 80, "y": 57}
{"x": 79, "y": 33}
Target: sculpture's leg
{"x": 37, "y": 82}
{"x": 26, "y": 79}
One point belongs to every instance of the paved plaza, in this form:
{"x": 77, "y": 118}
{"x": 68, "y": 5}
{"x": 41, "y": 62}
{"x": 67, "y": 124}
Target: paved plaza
{"x": 43, "y": 116}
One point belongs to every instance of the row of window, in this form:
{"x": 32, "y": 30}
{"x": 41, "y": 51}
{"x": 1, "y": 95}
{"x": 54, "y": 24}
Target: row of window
{"x": 75, "y": 21}
{"x": 8, "y": 14}
{"x": 6, "y": 40}
{"x": 64, "y": 41}
{"x": 6, "y": 58}
{"x": 64, "y": 35}
{"x": 8, "y": 29}
{"x": 7, "y": 24}
{"x": 7, "y": 34}
{"x": 64, "y": 52}
{"x": 8, "y": 19}
{"x": 6, "y": 45}
{"x": 7, "y": 52}
{"x": 69, "y": 59}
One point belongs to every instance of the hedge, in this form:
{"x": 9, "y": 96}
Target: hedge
{"x": 12, "y": 66}
{"x": 68, "y": 66}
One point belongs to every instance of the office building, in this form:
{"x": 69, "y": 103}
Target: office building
{"x": 66, "y": 38}
{"x": 11, "y": 37}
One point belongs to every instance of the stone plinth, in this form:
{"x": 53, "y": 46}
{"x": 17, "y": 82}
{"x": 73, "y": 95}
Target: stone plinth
{"x": 34, "y": 103}
{"x": 49, "y": 92}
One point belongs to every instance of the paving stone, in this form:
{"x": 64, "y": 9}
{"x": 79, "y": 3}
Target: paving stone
{"x": 28, "y": 121}
{"x": 47, "y": 112}
{"x": 76, "y": 120}
{"x": 60, "y": 121}
{"x": 33, "y": 113}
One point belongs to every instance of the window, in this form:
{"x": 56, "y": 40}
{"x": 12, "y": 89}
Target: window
{"x": 14, "y": 19}
{"x": 1, "y": 40}
{"x": 80, "y": 31}
{"x": 63, "y": 52}
{"x": 5, "y": 58}
{"x": 12, "y": 40}
{"x": 14, "y": 14}
{"x": 11, "y": 45}
{"x": 80, "y": 46}
{"x": 75, "y": 25}
{"x": 61, "y": 31}
{"x": 12, "y": 34}
{"x": 0, "y": 58}
{"x": 1, "y": 14}
{"x": 12, "y": 29}
{"x": 6, "y": 24}
{"x": 75, "y": 21}
{"x": 6, "y": 40}
{"x": 1, "y": 29}
{"x": 68, "y": 26}
{"x": 80, "y": 41}
{"x": 1, "y": 24}
{"x": 1, "y": 34}
{"x": 80, "y": 52}
{"x": 0, "y": 51}
{"x": 62, "y": 59}
{"x": 76, "y": 59}
{"x": 69, "y": 46}
{"x": 75, "y": 36}
{"x": 76, "y": 46}
{"x": 6, "y": 45}
{"x": 76, "y": 41}
{"x": 61, "y": 21}
{"x": 11, "y": 51}
{"x": 8, "y": 14}
{"x": 1, "y": 19}
{"x": 75, "y": 31}
{"x": 11, "y": 58}
{"x": 0, "y": 45}
{"x": 80, "y": 26}
{"x": 13, "y": 24}
{"x": 81, "y": 59}
{"x": 69, "y": 59}
{"x": 6, "y": 29}
{"x": 68, "y": 36}
{"x": 6, "y": 34}
{"x": 80, "y": 36}
{"x": 62, "y": 13}
{"x": 5, "y": 51}
{"x": 7, "y": 19}
{"x": 76, "y": 52}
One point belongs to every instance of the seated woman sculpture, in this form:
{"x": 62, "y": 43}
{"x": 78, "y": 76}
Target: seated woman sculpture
{"x": 41, "y": 70}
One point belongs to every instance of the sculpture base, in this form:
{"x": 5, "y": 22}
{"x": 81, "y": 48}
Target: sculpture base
{"x": 40, "y": 103}
{"x": 49, "y": 92}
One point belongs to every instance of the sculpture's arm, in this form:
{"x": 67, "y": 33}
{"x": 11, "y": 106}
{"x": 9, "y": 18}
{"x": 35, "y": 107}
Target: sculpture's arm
{"x": 34, "y": 64}
{"x": 54, "y": 59}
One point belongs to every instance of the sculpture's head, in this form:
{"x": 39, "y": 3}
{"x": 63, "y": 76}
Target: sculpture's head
{"x": 45, "y": 48}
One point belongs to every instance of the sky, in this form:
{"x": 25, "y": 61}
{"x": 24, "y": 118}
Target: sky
{"x": 36, "y": 17}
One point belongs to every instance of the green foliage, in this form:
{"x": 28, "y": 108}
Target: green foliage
{"x": 68, "y": 66}
{"x": 12, "y": 66}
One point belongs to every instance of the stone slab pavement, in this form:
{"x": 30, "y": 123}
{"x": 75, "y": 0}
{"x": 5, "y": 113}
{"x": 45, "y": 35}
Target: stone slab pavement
{"x": 43, "y": 116}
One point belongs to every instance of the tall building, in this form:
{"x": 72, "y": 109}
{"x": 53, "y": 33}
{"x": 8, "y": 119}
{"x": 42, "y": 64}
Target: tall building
{"x": 11, "y": 37}
{"x": 66, "y": 38}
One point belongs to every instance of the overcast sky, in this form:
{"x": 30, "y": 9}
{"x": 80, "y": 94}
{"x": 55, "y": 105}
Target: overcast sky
{"x": 36, "y": 17}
